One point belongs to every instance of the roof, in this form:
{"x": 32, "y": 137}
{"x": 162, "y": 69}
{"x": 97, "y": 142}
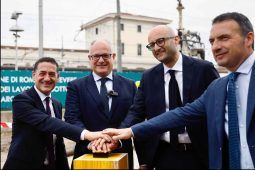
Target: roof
{"x": 127, "y": 16}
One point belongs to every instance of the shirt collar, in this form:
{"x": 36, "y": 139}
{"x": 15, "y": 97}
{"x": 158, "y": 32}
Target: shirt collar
{"x": 97, "y": 77}
{"x": 41, "y": 95}
{"x": 246, "y": 66}
{"x": 176, "y": 67}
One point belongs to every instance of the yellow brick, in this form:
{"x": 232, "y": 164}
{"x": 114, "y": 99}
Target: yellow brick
{"x": 114, "y": 161}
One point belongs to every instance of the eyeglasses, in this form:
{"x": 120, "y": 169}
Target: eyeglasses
{"x": 96, "y": 57}
{"x": 160, "y": 42}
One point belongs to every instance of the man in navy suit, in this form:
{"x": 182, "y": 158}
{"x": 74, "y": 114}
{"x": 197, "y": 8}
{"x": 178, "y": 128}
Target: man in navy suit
{"x": 36, "y": 117}
{"x": 185, "y": 147}
{"x": 88, "y": 107}
{"x": 230, "y": 116}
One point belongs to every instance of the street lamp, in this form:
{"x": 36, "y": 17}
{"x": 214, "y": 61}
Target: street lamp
{"x": 15, "y": 29}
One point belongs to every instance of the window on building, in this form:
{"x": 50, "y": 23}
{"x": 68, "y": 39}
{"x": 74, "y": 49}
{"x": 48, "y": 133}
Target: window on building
{"x": 96, "y": 31}
{"x": 139, "y": 28}
{"x": 139, "y": 49}
{"x": 122, "y": 27}
{"x": 122, "y": 48}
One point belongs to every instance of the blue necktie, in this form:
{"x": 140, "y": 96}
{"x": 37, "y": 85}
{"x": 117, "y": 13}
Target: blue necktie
{"x": 104, "y": 95}
{"x": 233, "y": 129}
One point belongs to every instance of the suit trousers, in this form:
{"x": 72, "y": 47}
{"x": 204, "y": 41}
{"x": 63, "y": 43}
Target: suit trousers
{"x": 170, "y": 157}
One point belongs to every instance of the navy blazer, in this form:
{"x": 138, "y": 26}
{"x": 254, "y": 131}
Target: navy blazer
{"x": 150, "y": 102}
{"x": 30, "y": 125}
{"x": 212, "y": 106}
{"x": 84, "y": 108}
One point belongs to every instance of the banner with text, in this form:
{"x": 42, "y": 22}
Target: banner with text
{"x": 14, "y": 82}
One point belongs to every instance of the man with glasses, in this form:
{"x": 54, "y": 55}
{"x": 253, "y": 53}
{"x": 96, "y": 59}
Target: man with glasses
{"x": 101, "y": 99}
{"x": 228, "y": 103}
{"x": 177, "y": 80}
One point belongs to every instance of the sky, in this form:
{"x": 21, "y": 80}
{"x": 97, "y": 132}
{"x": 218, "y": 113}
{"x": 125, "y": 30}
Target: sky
{"x": 62, "y": 18}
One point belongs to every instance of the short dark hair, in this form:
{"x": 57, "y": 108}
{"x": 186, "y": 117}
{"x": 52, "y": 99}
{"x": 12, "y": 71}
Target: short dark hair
{"x": 45, "y": 59}
{"x": 243, "y": 22}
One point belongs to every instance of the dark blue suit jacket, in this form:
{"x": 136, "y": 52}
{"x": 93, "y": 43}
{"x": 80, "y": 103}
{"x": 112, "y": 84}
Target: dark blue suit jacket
{"x": 212, "y": 106}
{"x": 150, "y": 102}
{"x": 84, "y": 108}
{"x": 30, "y": 126}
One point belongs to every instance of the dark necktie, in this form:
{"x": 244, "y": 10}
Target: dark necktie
{"x": 50, "y": 146}
{"x": 104, "y": 95}
{"x": 174, "y": 101}
{"x": 233, "y": 129}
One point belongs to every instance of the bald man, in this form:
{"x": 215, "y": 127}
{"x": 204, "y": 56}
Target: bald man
{"x": 177, "y": 80}
{"x": 101, "y": 99}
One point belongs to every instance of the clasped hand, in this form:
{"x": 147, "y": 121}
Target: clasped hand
{"x": 108, "y": 139}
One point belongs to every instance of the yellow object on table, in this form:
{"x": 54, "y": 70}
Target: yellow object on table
{"x": 114, "y": 161}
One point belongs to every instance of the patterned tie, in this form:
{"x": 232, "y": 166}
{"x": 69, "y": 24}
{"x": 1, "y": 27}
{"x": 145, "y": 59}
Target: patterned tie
{"x": 50, "y": 146}
{"x": 104, "y": 95}
{"x": 174, "y": 101}
{"x": 233, "y": 130}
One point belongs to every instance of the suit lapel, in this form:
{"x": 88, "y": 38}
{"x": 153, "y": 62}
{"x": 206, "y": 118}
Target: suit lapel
{"x": 187, "y": 78}
{"x": 220, "y": 104}
{"x": 117, "y": 84}
{"x": 39, "y": 104}
{"x": 32, "y": 92}
{"x": 93, "y": 91}
{"x": 251, "y": 100}
{"x": 56, "y": 109}
{"x": 159, "y": 84}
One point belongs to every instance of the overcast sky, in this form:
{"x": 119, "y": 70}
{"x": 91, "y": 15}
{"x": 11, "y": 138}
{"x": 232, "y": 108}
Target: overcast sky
{"x": 62, "y": 18}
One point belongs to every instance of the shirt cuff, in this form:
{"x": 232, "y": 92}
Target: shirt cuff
{"x": 132, "y": 133}
{"x": 82, "y": 137}
{"x": 120, "y": 144}
{"x": 88, "y": 146}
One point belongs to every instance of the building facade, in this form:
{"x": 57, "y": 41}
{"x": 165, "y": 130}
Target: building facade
{"x": 67, "y": 58}
{"x": 134, "y": 34}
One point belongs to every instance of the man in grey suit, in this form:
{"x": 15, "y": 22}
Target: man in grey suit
{"x": 228, "y": 104}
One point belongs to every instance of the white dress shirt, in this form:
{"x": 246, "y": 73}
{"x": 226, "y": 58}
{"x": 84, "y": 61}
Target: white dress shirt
{"x": 242, "y": 87}
{"x": 108, "y": 84}
{"x": 43, "y": 97}
{"x": 179, "y": 78}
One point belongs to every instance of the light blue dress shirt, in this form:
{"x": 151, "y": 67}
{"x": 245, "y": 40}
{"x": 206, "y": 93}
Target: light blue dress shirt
{"x": 242, "y": 87}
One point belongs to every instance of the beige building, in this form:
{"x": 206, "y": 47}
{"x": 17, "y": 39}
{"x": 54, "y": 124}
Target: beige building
{"x": 134, "y": 33}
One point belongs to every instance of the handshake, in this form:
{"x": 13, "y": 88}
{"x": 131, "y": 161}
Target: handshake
{"x": 107, "y": 140}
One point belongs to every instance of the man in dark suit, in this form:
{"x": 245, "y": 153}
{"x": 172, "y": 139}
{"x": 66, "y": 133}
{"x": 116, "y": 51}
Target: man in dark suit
{"x": 36, "y": 117}
{"x": 181, "y": 148}
{"x": 189, "y": 145}
{"x": 228, "y": 104}
{"x": 100, "y": 100}
{"x": 186, "y": 144}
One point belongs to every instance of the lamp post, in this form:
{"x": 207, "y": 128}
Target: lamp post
{"x": 15, "y": 29}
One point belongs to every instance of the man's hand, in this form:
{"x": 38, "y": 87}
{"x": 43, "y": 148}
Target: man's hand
{"x": 91, "y": 136}
{"x": 101, "y": 145}
{"x": 118, "y": 134}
